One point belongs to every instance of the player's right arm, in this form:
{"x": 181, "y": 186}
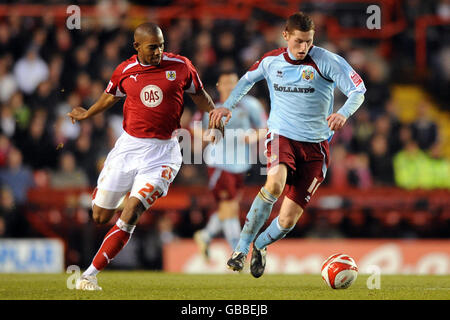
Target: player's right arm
{"x": 109, "y": 97}
{"x": 105, "y": 102}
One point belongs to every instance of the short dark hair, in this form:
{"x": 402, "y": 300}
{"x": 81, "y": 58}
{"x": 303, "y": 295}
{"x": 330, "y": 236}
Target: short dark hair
{"x": 149, "y": 28}
{"x": 299, "y": 21}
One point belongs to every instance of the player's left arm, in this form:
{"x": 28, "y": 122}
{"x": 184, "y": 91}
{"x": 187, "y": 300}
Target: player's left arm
{"x": 337, "y": 120}
{"x": 204, "y": 102}
{"x": 350, "y": 83}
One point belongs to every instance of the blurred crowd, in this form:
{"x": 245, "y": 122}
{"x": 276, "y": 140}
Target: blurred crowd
{"x": 46, "y": 70}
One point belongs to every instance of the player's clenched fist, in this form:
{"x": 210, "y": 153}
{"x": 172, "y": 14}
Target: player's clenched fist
{"x": 336, "y": 121}
{"x": 77, "y": 113}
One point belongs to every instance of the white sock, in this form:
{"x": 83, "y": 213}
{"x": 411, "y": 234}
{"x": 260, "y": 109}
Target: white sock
{"x": 91, "y": 271}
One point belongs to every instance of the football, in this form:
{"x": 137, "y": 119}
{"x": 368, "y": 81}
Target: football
{"x": 339, "y": 271}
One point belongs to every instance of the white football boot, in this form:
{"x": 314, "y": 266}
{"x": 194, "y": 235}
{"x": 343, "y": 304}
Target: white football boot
{"x": 87, "y": 283}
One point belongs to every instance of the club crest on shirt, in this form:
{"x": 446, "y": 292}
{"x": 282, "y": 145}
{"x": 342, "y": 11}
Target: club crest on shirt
{"x": 151, "y": 96}
{"x": 171, "y": 75}
{"x": 308, "y": 74}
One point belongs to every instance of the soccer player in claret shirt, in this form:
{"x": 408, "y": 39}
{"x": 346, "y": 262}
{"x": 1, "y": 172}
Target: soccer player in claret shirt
{"x": 146, "y": 157}
{"x": 301, "y": 79}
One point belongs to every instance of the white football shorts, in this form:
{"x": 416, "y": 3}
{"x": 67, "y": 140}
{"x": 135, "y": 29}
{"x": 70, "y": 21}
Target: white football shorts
{"x": 146, "y": 166}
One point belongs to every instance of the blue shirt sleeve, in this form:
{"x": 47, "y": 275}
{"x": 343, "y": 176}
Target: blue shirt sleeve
{"x": 253, "y": 75}
{"x": 346, "y": 79}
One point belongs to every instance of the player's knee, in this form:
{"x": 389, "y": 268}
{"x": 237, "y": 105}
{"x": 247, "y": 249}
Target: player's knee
{"x": 132, "y": 211}
{"x": 101, "y": 216}
{"x": 274, "y": 187}
{"x": 286, "y": 222}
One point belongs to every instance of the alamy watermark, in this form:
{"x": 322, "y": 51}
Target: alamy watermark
{"x": 374, "y": 20}
{"x": 238, "y": 147}
{"x": 374, "y": 280}
{"x": 75, "y": 273}
{"x": 73, "y": 21}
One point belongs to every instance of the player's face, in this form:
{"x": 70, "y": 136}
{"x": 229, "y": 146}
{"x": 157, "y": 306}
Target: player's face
{"x": 150, "y": 49}
{"x": 226, "y": 84}
{"x": 299, "y": 42}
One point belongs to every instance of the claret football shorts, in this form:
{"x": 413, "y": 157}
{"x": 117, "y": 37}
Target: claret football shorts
{"x": 307, "y": 165}
{"x": 225, "y": 185}
{"x": 146, "y": 166}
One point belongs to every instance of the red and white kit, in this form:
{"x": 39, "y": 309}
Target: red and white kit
{"x": 146, "y": 158}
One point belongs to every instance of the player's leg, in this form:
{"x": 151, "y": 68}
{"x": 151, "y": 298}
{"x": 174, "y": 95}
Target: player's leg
{"x": 290, "y": 212}
{"x": 258, "y": 214}
{"x": 104, "y": 205}
{"x": 213, "y": 228}
{"x": 308, "y": 177}
{"x": 145, "y": 191}
{"x": 229, "y": 216}
{"x": 119, "y": 235}
{"x": 230, "y": 194}
{"x": 204, "y": 236}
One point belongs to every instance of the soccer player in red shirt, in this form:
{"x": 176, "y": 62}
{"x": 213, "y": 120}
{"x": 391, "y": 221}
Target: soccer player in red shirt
{"x": 147, "y": 156}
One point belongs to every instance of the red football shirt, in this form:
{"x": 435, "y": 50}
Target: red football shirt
{"x": 154, "y": 94}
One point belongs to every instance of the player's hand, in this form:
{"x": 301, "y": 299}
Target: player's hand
{"x": 77, "y": 113}
{"x": 212, "y": 136}
{"x": 216, "y": 115}
{"x": 336, "y": 121}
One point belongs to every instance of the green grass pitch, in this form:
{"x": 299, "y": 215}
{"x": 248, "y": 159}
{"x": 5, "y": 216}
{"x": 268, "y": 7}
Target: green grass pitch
{"x": 139, "y": 285}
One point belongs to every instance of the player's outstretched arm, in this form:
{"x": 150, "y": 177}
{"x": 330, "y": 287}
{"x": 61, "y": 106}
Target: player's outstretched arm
{"x": 105, "y": 101}
{"x": 204, "y": 102}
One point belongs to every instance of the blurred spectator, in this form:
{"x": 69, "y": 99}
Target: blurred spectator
{"x": 37, "y": 143}
{"x": 443, "y": 9}
{"x": 83, "y": 85}
{"x": 391, "y": 109}
{"x": 379, "y": 93}
{"x": 8, "y": 84}
{"x": 338, "y": 170}
{"x": 85, "y": 153}
{"x": 29, "y": 71}
{"x": 359, "y": 174}
{"x": 424, "y": 130}
{"x": 21, "y": 111}
{"x": 5, "y": 146}
{"x": 45, "y": 97}
{"x": 413, "y": 169}
{"x": 7, "y": 121}
{"x": 8, "y": 213}
{"x": 362, "y": 131}
{"x": 56, "y": 66}
{"x": 381, "y": 161}
{"x": 17, "y": 176}
{"x": 68, "y": 175}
